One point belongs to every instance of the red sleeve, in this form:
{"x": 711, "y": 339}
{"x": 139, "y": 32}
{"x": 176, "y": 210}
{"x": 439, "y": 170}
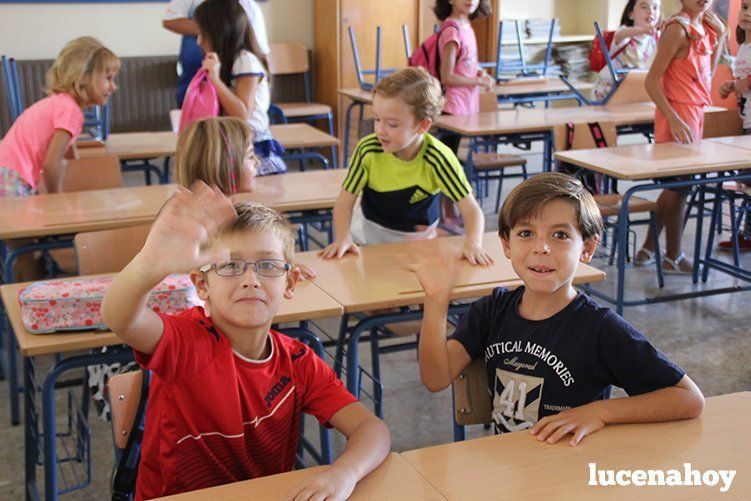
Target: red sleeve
{"x": 187, "y": 347}
{"x": 68, "y": 116}
{"x": 323, "y": 393}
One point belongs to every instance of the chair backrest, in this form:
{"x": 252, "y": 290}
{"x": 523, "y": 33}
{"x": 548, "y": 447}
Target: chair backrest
{"x": 288, "y": 58}
{"x": 488, "y": 101}
{"x": 92, "y": 173}
{"x": 108, "y": 251}
{"x": 472, "y": 403}
{"x": 125, "y": 396}
{"x": 631, "y": 89}
{"x": 583, "y": 136}
{"x": 722, "y": 123}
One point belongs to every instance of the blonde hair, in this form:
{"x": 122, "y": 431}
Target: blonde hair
{"x": 416, "y": 88}
{"x": 252, "y": 216}
{"x": 75, "y": 64}
{"x": 529, "y": 197}
{"x": 213, "y": 151}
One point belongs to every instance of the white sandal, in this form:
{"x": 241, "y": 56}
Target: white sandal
{"x": 673, "y": 266}
{"x": 644, "y": 262}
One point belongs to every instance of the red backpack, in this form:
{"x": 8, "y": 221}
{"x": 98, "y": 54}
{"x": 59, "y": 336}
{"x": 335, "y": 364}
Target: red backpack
{"x": 427, "y": 55}
{"x": 201, "y": 100}
{"x": 597, "y": 55}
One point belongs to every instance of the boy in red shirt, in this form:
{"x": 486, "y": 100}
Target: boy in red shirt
{"x": 227, "y": 393}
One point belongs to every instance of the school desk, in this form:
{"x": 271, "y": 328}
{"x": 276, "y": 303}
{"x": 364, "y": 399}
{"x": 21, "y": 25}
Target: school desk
{"x": 308, "y": 303}
{"x": 306, "y": 197}
{"x": 516, "y": 465}
{"x": 376, "y": 279}
{"x": 394, "y": 479}
{"x": 527, "y": 125}
{"x": 532, "y": 90}
{"x": 704, "y": 163}
{"x": 128, "y": 146}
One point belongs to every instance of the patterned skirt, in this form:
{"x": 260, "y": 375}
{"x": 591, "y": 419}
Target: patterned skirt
{"x": 269, "y": 151}
{"x": 13, "y": 185}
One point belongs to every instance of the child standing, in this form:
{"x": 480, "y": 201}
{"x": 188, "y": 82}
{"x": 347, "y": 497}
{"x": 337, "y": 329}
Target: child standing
{"x": 634, "y": 43}
{"x": 551, "y": 352}
{"x": 219, "y": 152}
{"x": 400, "y": 171}
{"x": 237, "y": 68}
{"x": 742, "y": 88}
{"x": 35, "y": 147}
{"x": 178, "y": 19}
{"x": 461, "y": 76}
{"x": 679, "y": 82}
{"x": 216, "y": 413}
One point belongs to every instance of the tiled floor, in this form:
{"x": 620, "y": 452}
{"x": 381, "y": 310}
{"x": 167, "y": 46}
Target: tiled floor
{"x": 710, "y": 338}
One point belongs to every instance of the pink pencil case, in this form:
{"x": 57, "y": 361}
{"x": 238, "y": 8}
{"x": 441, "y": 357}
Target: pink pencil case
{"x": 68, "y": 305}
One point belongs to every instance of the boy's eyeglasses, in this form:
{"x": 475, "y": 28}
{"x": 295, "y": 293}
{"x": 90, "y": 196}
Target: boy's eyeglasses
{"x": 236, "y": 267}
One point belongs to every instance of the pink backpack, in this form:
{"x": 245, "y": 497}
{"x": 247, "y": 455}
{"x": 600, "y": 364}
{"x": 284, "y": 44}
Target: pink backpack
{"x": 427, "y": 55}
{"x": 201, "y": 100}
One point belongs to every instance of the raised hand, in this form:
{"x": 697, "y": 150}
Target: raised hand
{"x": 177, "y": 242}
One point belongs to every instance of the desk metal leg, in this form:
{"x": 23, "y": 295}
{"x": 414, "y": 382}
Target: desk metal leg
{"x": 699, "y": 229}
{"x": 31, "y": 431}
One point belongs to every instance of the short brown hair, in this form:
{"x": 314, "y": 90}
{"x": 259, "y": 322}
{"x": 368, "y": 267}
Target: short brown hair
{"x": 79, "y": 59}
{"x": 529, "y": 197}
{"x": 252, "y": 216}
{"x": 416, "y": 88}
{"x": 212, "y": 151}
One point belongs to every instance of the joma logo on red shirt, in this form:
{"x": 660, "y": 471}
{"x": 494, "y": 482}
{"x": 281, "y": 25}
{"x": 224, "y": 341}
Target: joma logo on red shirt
{"x": 276, "y": 390}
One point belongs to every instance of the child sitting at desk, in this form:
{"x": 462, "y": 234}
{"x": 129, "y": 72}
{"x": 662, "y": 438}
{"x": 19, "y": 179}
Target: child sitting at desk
{"x": 551, "y": 352}
{"x": 400, "y": 171}
{"x": 216, "y": 414}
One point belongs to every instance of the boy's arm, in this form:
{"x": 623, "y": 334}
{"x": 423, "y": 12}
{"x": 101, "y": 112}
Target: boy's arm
{"x": 474, "y": 222}
{"x": 368, "y": 444}
{"x": 441, "y": 360}
{"x": 184, "y": 225}
{"x": 682, "y": 401}
{"x": 181, "y": 26}
{"x": 343, "y": 207}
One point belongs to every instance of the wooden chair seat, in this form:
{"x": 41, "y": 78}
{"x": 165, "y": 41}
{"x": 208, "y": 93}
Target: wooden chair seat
{"x": 610, "y": 205}
{"x": 494, "y": 161}
{"x": 302, "y": 109}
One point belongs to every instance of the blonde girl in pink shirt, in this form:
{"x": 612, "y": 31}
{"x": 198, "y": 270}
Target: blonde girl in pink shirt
{"x": 34, "y": 149}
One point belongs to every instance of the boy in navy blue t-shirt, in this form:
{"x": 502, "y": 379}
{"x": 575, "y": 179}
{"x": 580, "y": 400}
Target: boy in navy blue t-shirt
{"x": 551, "y": 352}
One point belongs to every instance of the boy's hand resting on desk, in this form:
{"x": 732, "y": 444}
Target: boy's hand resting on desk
{"x": 579, "y": 421}
{"x": 331, "y": 484}
{"x": 339, "y": 248}
{"x": 475, "y": 254}
{"x": 305, "y": 272}
{"x": 184, "y": 225}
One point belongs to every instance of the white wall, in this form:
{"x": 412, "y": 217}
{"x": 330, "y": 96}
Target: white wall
{"x": 38, "y": 31}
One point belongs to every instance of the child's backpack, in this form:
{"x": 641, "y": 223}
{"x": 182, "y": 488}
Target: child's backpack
{"x": 597, "y": 55}
{"x": 201, "y": 100}
{"x": 427, "y": 55}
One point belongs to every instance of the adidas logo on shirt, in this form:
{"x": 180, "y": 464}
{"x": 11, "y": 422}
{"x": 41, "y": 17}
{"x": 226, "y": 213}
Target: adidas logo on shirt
{"x": 418, "y": 196}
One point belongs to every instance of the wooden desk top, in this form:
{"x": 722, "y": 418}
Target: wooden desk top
{"x": 376, "y": 278}
{"x": 358, "y": 94}
{"x": 537, "y": 86}
{"x": 140, "y": 145}
{"x": 647, "y": 161}
{"x": 543, "y": 119}
{"x": 65, "y": 213}
{"x": 308, "y": 303}
{"x": 743, "y": 142}
{"x": 516, "y": 464}
{"x": 394, "y": 480}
